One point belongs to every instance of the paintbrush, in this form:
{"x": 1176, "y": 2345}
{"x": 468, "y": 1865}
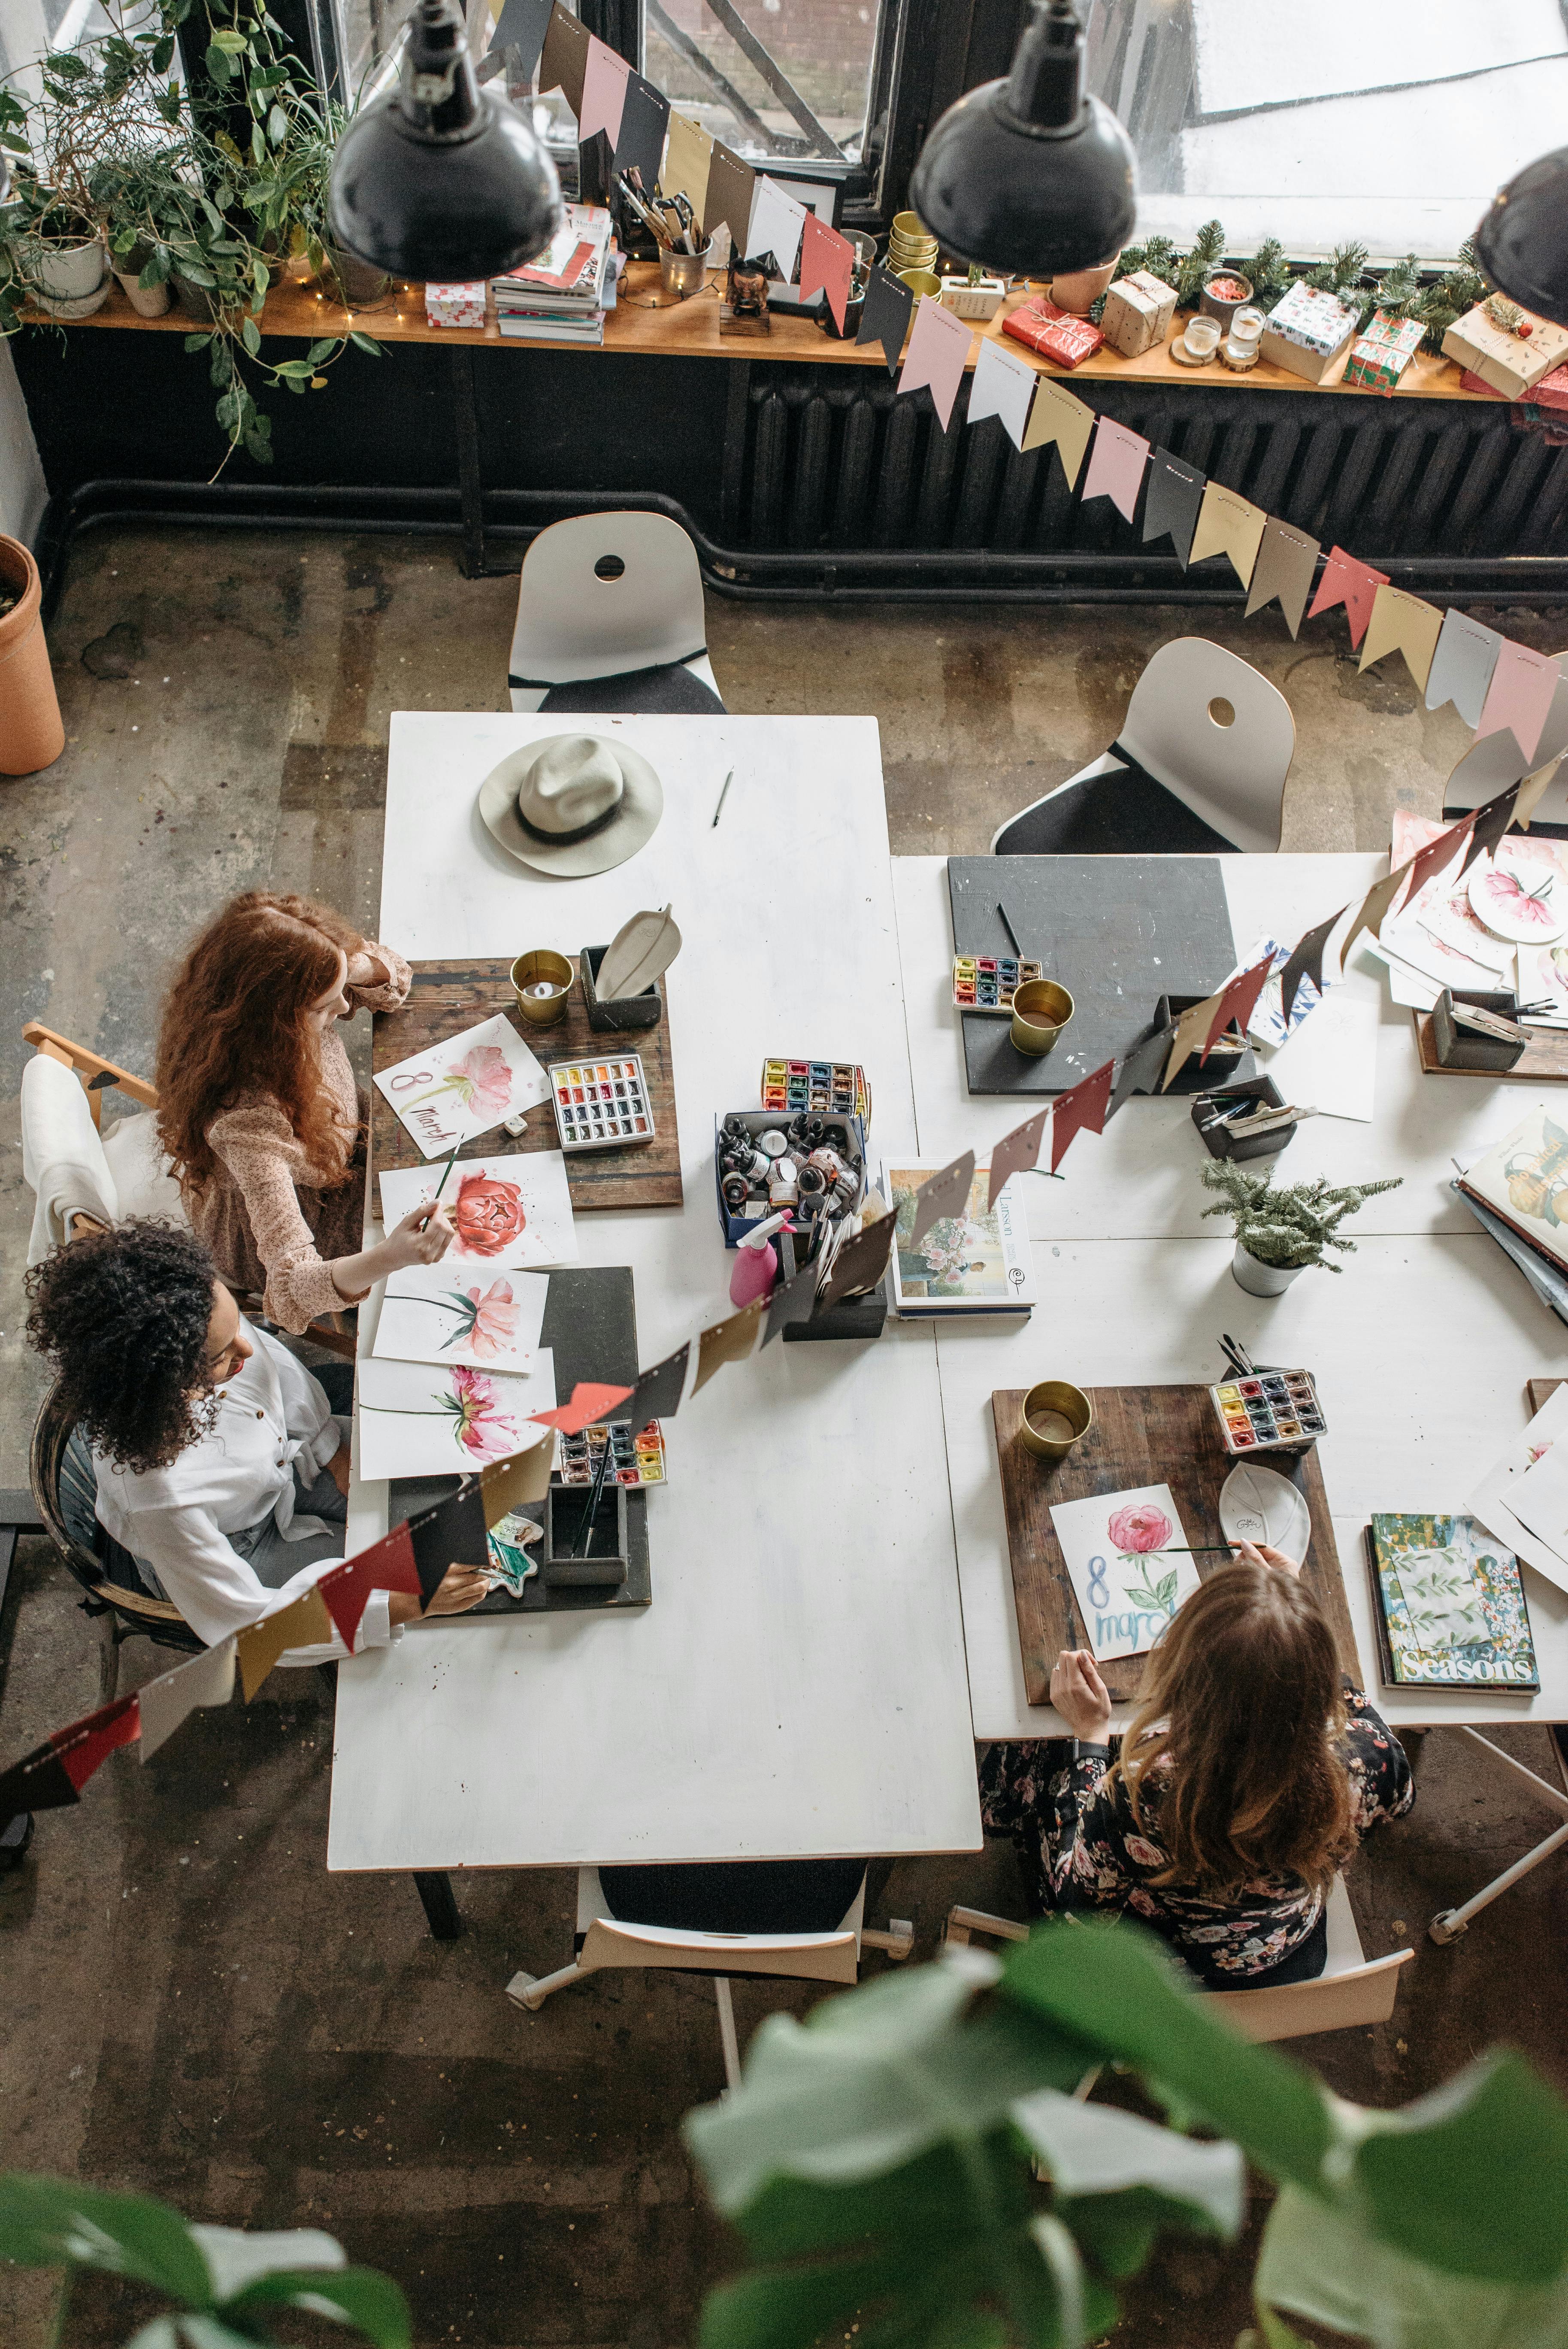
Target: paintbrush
{"x": 719, "y": 808}
{"x": 442, "y": 1184}
{"x": 1203, "y": 1549}
{"x": 587, "y": 1543}
{"x": 1012, "y": 933}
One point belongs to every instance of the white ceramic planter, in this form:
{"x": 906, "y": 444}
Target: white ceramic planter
{"x": 1261, "y": 1279}
{"x": 966, "y": 300}
{"x": 147, "y": 301}
{"x": 69, "y": 280}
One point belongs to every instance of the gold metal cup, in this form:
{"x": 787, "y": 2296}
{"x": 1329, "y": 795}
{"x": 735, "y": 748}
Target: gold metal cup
{"x": 911, "y": 228}
{"x": 1053, "y": 1417}
{"x": 542, "y": 981}
{"x": 920, "y": 280}
{"x": 1041, "y": 1010}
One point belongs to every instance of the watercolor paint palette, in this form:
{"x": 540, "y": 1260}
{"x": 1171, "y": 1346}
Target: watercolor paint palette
{"x": 635, "y": 1460}
{"x": 1276, "y": 1407}
{"x": 826, "y": 1088}
{"x": 987, "y": 982}
{"x": 601, "y": 1104}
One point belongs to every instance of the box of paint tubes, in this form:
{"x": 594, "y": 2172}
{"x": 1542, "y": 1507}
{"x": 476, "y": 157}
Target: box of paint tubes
{"x": 764, "y": 1162}
{"x": 1275, "y": 1411}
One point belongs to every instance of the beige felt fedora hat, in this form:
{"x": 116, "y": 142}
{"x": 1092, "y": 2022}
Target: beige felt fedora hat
{"x": 571, "y": 804}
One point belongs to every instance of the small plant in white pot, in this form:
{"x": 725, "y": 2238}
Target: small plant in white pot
{"x": 1280, "y": 1232}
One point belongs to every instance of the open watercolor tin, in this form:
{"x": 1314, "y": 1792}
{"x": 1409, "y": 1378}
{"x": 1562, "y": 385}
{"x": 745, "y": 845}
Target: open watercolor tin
{"x": 988, "y": 982}
{"x": 825, "y": 1088}
{"x": 1274, "y": 1410}
{"x": 601, "y": 1104}
{"x": 635, "y": 1461}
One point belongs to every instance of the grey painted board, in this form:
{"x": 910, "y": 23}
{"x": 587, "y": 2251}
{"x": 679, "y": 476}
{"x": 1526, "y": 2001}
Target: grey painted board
{"x": 1118, "y": 932}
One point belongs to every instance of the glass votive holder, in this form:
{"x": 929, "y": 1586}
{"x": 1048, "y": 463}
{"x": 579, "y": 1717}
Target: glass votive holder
{"x": 1201, "y": 338}
{"x": 1241, "y": 342}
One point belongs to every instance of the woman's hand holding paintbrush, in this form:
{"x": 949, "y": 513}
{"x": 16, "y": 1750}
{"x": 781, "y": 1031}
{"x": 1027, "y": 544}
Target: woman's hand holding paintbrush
{"x": 422, "y": 1237}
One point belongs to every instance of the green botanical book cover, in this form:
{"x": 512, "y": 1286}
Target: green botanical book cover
{"x": 1451, "y": 1604}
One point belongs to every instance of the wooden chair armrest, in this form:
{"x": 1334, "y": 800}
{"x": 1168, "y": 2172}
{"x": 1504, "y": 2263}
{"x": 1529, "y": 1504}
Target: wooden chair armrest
{"x": 89, "y": 1064}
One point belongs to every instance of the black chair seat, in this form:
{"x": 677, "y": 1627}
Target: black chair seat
{"x": 736, "y": 1896}
{"x": 1122, "y": 814}
{"x": 672, "y": 689}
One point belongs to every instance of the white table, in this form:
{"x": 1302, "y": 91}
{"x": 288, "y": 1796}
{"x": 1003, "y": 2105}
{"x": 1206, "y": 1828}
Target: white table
{"x": 797, "y": 1686}
{"x": 1421, "y": 1346}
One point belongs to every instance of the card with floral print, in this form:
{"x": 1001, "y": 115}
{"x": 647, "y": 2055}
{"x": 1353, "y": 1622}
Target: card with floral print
{"x": 441, "y": 1313}
{"x": 464, "y": 1086}
{"x": 505, "y": 1210}
{"x": 422, "y": 1419}
{"x": 1127, "y": 1587}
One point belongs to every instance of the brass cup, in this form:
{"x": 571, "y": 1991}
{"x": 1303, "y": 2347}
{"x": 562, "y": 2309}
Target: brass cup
{"x": 1041, "y": 1010}
{"x": 1046, "y": 1408}
{"x": 542, "y": 981}
{"x": 910, "y": 227}
{"x": 920, "y": 280}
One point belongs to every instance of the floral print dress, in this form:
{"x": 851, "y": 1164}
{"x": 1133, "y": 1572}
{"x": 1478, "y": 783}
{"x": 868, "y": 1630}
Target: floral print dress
{"x": 1080, "y": 1847}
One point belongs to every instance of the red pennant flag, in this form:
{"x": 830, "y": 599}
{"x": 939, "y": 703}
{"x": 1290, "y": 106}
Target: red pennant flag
{"x": 1236, "y": 1003}
{"x": 88, "y": 1744}
{"x": 1082, "y": 1109}
{"x": 588, "y": 1406}
{"x": 827, "y": 262}
{"x": 345, "y": 1592}
{"x": 1355, "y": 585}
{"x": 388, "y": 1565}
{"x": 1436, "y": 855}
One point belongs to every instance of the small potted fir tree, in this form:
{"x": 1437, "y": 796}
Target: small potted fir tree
{"x": 1281, "y": 1233}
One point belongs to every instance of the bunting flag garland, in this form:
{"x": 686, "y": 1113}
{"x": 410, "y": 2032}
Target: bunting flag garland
{"x": 1375, "y": 907}
{"x": 1116, "y": 466}
{"x": 1190, "y": 1031}
{"x": 1139, "y": 1071}
{"x": 863, "y": 1261}
{"x": 206, "y": 1680}
{"x": 511, "y": 1483}
{"x": 727, "y": 199}
{"x": 1286, "y": 562}
{"x": 54, "y": 1774}
{"x": 657, "y": 1393}
{"x": 346, "y": 1594}
{"x": 1228, "y": 524}
{"x": 1531, "y": 793}
{"x": 1524, "y": 685}
{"x": 566, "y": 59}
{"x": 1437, "y": 855}
{"x": 790, "y": 1301}
{"x": 590, "y": 1403}
{"x": 688, "y": 152}
{"x": 1082, "y": 1109}
{"x": 1402, "y": 623}
{"x": 1354, "y": 584}
{"x": 451, "y": 1533}
{"x": 1015, "y": 1154}
{"x": 943, "y": 1194}
{"x": 1306, "y": 962}
{"x": 1238, "y": 999}
{"x": 827, "y": 265}
{"x": 1060, "y": 416}
{"x": 1462, "y": 665}
{"x": 640, "y": 141}
{"x": 1488, "y": 825}
{"x": 733, "y": 1340}
{"x": 885, "y": 315}
{"x": 1171, "y": 506}
{"x": 938, "y": 353}
{"x": 1002, "y": 385}
{"x": 303, "y": 1624}
{"x": 774, "y": 226}
{"x": 523, "y": 27}
{"x": 604, "y": 92}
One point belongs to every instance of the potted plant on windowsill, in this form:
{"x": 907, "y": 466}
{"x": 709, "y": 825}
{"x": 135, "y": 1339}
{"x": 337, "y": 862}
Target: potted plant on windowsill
{"x": 1280, "y": 1232}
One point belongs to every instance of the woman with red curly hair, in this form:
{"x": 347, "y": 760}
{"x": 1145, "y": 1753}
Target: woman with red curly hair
{"x": 257, "y": 1110}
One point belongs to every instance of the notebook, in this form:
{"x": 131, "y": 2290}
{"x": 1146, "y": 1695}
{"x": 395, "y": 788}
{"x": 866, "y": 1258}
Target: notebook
{"x": 1451, "y": 1606}
{"x": 1524, "y": 1179}
{"x": 978, "y": 1262}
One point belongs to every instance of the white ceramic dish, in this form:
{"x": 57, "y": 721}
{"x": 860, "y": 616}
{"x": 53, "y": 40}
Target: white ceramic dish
{"x": 1258, "y": 1504}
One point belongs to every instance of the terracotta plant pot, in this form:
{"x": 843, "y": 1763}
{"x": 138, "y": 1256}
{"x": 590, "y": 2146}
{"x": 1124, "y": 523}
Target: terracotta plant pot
{"x": 1081, "y": 288}
{"x": 362, "y": 286}
{"x": 147, "y": 301}
{"x": 31, "y": 734}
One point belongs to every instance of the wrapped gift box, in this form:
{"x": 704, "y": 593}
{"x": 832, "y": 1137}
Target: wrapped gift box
{"x": 1552, "y": 391}
{"x": 458, "y": 303}
{"x": 1306, "y": 331}
{"x": 1380, "y": 357}
{"x": 1138, "y": 310}
{"x": 1508, "y": 361}
{"x": 1055, "y": 334}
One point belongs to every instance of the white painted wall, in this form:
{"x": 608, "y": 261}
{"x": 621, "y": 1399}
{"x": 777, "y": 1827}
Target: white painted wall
{"x": 23, "y": 491}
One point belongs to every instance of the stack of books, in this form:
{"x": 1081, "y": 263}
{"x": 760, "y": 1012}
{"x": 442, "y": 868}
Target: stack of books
{"x": 561, "y": 297}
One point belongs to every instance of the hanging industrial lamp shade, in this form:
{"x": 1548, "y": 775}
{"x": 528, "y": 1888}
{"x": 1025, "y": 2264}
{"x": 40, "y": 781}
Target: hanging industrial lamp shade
{"x": 441, "y": 180}
{"x": 1522, "y": 243}
{"x": 1030, "y": 175}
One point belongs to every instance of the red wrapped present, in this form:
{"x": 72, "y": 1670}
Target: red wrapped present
{"x": 1055, "y": 334}
{"x": 1552, "y": 391}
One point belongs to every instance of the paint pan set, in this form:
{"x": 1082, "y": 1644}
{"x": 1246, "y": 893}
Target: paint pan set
{"x": 989, "y": 982}
{"x": 601, "y": 1104}
{"x": 1272, "y": 1408}
{"x": 635, "y": 1461}
{"x": 825, "y": 1088}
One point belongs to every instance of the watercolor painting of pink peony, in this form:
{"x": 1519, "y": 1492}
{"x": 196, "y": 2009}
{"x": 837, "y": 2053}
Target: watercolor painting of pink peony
{"x": 418, "y": 1419}
{"x": 448, "y": 1312}
{"x": 1521, "y": 898}
{"x": 464, "y": 1086}
{"x": 1114, "y": 1546}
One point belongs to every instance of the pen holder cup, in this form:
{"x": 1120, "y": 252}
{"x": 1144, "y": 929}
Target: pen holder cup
{"x": 1219, "y": 1140}
{"x": 683, "y": 272}
{"x": 1053, "y": 1417}
{"x": 626, "y": 1011}
{"x": 566, "y": 1510}
{"x": 1463, "y": 1048}
{"x": 542, "y": 981}
{"x": 1196, "y": 1076}
{"x": 1041, "y": 1010}
{"x": 851, "y": 1317}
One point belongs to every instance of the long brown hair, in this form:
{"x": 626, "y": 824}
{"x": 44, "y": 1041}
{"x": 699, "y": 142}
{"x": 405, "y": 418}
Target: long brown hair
{"x": 234, "y": 1025}
{"x": 1236, "y": 1736}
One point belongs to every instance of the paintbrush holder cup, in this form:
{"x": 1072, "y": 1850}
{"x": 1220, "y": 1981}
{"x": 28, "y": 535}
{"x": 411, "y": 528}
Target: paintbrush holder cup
{"x": 566, "y": 1509}
{"x": 683, "y": 274}
{"x": 1465, "y": 1048}
{"x": 1229, "y": 1053}
{"x": 626, "y": 1011}
{"x": 1055, "y": 1416}
{"x": 1041, "y": 1010}
{"x": 542, "y": 981}
{"x": 852, "y": 1317}
{"x": 1219, "y": 1140}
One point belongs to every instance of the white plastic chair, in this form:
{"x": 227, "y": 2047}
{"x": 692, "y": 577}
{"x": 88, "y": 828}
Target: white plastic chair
{"x": 1199, "y": 768}
{"x": 1352, "y": 1991}
{"x": 605, "y": 1941}
{"x": 1494, "y": 762}
{"x": 74, "y": 1171}
{"x": 605, "y": 596}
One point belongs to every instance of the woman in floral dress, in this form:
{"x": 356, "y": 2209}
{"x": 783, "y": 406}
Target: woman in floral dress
{"x": 1244, "y": 1782}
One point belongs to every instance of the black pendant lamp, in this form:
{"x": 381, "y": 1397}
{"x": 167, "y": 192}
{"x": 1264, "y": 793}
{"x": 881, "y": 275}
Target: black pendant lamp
{"x": 442, "y": 180}
{"x": 1030, "y": 176}
{"x": 1522, "y": 243}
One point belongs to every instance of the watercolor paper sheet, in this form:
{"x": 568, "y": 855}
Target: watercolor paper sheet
{"x": 418, "y": 1419}
{"x": 1331, "y": 1064}
{"x": 464, "y": 1086}
{"x": 1544, "y": 978}
{"x": 1493, "y": 1498}
{"x": 1127, "y": 1589}
{"x": 506, "y": 1211}
{"x": 441, "y": 1313}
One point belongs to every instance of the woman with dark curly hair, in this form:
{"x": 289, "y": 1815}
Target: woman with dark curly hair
{"x": 201, "y": 1445}
{"x": 259, "y": 1112}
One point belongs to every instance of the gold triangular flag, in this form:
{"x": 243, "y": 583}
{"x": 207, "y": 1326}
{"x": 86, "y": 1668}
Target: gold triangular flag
{"x": 1058, "y": 416}
{"x": 305, "y": 1624}
{"x": 524, "y": 1476}
{"x": 684, "y": 171}
{"x": 730, "y": 1340}
{"x": 1191, "y": 1029}
{"x": 1230, "y": 525}
{"x": 1402, "y": 623}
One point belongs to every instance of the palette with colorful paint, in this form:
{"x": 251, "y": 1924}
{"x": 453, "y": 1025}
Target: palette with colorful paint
{"x": 987, "y": 982}
{"x": 601, "y": 1104}
{"x": 1275, "y": 1408}
{"x": 826, "y": 1088}
{"x": 635, "y": 1460}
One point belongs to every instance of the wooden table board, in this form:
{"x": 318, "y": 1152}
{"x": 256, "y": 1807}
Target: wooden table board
{"x": 1545, "y": 1057}
{"x": 1142, "y": 1436}
{"x": 446, "y": 996}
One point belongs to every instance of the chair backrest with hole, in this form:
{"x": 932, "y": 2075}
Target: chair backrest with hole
{"x": 600, "y": 594}
{"x": 63, "y": 1496}
{"x": 1218, "y": 735}
{"x": 808, "y": 1957}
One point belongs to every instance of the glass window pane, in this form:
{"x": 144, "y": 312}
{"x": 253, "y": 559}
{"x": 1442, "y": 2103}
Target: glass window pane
{"x": 1323, "y": 121}
{"x": 770, "y": 77}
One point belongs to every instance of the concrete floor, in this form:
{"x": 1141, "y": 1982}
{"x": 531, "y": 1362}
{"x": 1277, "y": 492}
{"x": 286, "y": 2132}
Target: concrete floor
{"x": 194, "y": 2008}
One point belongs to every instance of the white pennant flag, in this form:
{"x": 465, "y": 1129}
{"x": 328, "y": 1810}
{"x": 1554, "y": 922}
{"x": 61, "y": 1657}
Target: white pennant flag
{"x": 207, "y": 1679}
{"x": 1002, "y": 386}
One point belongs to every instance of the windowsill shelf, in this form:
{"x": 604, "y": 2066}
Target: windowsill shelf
{"x": 690, "y": 330}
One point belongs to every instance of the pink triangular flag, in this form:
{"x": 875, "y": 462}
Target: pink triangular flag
{"x": 603, "y": 91}
{"x": 1083, "y": 1109}
{"x": 827, "y": 260}
{"x": 1355, "y": 585}
{"x": 1520, "y": 695}
{"x": 1115, "y": 465}
{"x": 1237, "y": 999}
{"x": 937, "y": 355}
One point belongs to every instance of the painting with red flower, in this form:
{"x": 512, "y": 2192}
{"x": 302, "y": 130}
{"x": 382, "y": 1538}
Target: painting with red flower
{"x": 1125, "y": 1555}
{"x": 447, "y": 1313}
{"x": 465, "y": 1085}
{"x": 504, "y": 1212}
{"x": 422, "y": 1419}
